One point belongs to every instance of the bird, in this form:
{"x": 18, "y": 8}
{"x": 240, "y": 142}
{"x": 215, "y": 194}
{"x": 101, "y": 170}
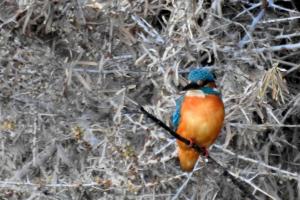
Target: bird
{"x": 198, "y": 116}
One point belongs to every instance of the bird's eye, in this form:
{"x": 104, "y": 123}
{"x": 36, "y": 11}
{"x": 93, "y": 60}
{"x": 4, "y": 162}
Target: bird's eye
{"x": 200, "y": 82}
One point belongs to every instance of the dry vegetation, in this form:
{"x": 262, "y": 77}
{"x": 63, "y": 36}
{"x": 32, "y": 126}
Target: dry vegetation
{"x": 72, "y": 73}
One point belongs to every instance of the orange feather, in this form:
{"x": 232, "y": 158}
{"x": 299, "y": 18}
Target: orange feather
{"x": 201, "y": 120}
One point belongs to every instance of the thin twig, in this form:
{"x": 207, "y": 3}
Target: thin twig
{"x": 288, "y": 174}
{"x": 40, "y": 160}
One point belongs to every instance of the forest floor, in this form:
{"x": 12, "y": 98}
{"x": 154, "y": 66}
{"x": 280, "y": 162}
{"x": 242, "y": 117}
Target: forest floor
{"x": 72, "y": 74}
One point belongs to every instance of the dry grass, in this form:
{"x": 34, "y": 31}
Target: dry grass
{"x": 72, "y": 73}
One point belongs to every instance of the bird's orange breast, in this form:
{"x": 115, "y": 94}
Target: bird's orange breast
{"x": 201, "y": 120}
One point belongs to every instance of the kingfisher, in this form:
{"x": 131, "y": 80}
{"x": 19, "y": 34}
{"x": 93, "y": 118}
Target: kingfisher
{"x": 198, "y": 116}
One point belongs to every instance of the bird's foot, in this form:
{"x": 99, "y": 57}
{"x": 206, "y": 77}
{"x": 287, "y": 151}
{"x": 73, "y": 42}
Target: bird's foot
{"x": 204, "y": 152}
{"x": 203, "y": 149}
{"x": 191, "y": 144}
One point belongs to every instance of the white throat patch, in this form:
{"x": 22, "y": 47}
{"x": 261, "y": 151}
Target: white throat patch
{"x": 198, "y": 93}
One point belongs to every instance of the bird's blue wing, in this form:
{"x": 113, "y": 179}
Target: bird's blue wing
{"x": 176, "y": 114}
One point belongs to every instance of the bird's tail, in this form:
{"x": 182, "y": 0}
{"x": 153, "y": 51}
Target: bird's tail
{"x": 188, "y": 158}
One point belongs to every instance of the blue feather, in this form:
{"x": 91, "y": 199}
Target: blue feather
{"x": 208, "y": 90}
{"x": 201, "y": 74}
{"x": 176, "y": 114}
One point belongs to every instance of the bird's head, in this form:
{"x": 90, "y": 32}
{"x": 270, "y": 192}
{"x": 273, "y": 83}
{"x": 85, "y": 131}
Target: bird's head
{"x": 199, "y": 78}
